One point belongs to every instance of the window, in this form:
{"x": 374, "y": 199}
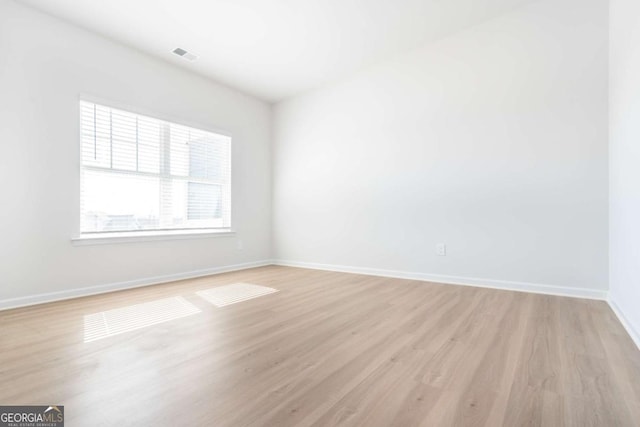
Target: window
{"x": 143, "y": 174}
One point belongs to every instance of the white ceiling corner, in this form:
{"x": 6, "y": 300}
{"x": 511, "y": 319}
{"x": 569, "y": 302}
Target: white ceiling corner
{"x": 275, "y": 49}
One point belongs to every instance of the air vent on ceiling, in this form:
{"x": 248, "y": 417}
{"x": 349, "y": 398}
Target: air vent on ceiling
{"x": 184, "y": 54}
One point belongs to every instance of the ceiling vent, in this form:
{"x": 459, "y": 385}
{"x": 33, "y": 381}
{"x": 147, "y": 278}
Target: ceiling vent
{"x": 184, "y": 54}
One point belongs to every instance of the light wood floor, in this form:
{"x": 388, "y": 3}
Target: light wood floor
{"x": 329, "y": 349}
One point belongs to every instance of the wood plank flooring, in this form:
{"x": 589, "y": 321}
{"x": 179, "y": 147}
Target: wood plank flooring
{"x": 327, "y": 349}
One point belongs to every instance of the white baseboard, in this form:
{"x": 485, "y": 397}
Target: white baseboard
{"x": 453, "y": 280}
{"x": 456, "y": 280}
{"x": 101, "y": 289}
{"x": 633, "y": 333}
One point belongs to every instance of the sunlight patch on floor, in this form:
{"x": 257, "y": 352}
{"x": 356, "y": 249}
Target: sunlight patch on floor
{"x": 231, "y": 294}
{"x": 120, "y": 320}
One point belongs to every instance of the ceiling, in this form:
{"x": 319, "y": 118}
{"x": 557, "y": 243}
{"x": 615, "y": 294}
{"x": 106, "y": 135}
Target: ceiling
{"x": 275, "y": 49}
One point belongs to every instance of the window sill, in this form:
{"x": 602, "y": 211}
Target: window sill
{"x": 147, "y": 236}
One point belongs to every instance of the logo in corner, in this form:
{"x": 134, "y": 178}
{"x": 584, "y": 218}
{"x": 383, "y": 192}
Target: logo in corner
{"x": 32, "y": 416}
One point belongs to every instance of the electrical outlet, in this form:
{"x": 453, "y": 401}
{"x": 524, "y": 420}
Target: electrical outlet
{"x": 441, "y": 249}
{"x": 239, "y": 245}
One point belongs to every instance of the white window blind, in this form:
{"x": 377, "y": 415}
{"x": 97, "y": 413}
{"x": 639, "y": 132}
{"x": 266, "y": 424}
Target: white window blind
{"x": 140, "y": 173}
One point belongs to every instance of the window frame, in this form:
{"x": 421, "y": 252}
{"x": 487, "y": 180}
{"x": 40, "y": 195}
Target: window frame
{"x": 109, "y": 237}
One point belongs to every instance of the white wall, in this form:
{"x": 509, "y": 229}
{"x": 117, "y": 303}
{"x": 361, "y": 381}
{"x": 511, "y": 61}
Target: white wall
{"x": 493, "y": 141}
{"x": 625, "y": 161}
{"x": 44, "y": 65}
